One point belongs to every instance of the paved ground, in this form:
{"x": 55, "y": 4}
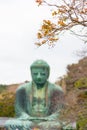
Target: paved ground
{"x": 3, "y": 120}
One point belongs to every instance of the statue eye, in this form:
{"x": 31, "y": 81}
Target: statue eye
{"x": 35, "y": 73}
{"x": 43, "y": 74}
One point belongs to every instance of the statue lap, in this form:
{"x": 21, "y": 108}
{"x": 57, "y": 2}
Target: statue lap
{"x": 17, "y": 124}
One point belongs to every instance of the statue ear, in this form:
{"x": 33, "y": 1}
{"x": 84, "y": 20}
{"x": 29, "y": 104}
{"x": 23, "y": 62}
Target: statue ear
{"x": 31, "y": 73}
{"x": 48, "y": 73}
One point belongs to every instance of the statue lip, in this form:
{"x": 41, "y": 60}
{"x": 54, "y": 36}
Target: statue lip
{"x": 40, "y": 83}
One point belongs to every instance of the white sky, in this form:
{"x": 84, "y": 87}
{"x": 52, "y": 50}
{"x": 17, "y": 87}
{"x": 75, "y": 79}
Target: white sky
{"x": 19, "y": 22}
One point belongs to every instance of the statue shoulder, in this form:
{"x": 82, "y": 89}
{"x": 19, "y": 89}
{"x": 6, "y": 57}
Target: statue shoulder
{"x": 24, "y": 86}
{"x": 59, "y": 88}
{"x": 55, "y": 87}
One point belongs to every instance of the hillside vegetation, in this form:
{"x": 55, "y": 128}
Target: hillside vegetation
{"x": 75, "y": 85}
{"x": 7, "y": 96}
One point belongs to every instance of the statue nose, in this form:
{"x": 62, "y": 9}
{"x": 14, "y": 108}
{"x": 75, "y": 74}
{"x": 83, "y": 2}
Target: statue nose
{"x": 39, "y": 76}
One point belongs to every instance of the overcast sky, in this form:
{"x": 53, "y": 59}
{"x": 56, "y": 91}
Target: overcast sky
{"x": 19, "y": 22}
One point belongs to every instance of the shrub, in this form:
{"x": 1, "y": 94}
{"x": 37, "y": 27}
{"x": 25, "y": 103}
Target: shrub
{"x": 7, "y": 104}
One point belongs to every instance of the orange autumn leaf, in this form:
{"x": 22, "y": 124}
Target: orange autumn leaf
{"x": 44, "y": 41}
{"x": 53, "y": 38}
{"x": 61, "y": 23}
{"x": 39, "y": 1}
{"x": 39, "y": 35}
{"x": 38, "y": 44}
{"x": 54, "y": 13}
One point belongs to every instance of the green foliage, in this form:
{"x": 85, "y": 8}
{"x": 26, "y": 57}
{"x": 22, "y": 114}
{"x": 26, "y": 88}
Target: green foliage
{"x": 7, "y": 104}
{"x": 81, "y": 83}
{"x": 2, "y": 87}
{"x": 82, "y": 124}
{"x": 82, "y": 114}
{"x": 77, "y": 75}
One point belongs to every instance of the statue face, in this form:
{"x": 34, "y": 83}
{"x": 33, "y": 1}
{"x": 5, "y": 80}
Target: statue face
{"x": 39, "y": 75}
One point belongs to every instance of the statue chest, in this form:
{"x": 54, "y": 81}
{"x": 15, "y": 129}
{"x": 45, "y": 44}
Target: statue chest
{"x": 39, "y": 105}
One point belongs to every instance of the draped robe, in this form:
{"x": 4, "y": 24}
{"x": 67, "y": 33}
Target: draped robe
{"x": 53, "y": 99}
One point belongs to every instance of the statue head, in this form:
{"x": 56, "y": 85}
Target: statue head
{"x": 40, "y": 72}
